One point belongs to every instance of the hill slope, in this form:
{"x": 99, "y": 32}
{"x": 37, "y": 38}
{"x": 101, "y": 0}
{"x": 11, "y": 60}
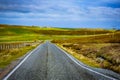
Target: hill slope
{"x": 10, "y": 33}
{"x": 19, "y": 30}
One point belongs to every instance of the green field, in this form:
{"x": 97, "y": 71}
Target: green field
{"x": 99, "y": 38}
{"x": 9, "y": 33}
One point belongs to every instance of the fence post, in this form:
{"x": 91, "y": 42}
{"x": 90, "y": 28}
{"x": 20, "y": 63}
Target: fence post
{"x": 5, "y": 46}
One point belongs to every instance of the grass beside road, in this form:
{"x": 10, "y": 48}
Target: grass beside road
{"x": 104, "y": 55}
{"x": 80, "y": 57}
{"x": 7, "y": 56}
{"x": 96, "y": 50}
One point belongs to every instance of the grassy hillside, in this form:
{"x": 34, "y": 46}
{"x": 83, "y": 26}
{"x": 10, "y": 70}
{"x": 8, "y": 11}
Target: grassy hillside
{"x": 21, "y": 30}
{"x": 14, "y": 30}
{"x": 73, "y": 32}
{"x": 101, "y": 38}
{"x": 10, "y": 33}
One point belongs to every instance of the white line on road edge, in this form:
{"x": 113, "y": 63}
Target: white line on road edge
{"x": 84, "y": 66}
{"x": 19, "y": 64}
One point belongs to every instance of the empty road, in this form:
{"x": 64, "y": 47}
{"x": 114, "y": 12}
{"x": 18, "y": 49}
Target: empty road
{"x": 48, "y": 62}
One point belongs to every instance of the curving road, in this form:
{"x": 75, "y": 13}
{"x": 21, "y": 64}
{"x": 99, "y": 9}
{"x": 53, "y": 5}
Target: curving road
{"x": 48, "y": 62}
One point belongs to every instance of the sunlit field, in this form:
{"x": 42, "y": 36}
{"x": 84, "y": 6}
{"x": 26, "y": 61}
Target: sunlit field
{"x": 9, "y": 33}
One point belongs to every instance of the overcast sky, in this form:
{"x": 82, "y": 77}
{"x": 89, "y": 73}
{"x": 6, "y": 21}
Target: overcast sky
{"x": 61, "y": 13}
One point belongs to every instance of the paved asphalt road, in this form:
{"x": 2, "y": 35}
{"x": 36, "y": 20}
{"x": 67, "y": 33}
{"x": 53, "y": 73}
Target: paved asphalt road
{"x": 48, "y": 62}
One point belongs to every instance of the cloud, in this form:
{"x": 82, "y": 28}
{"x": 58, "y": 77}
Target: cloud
{"x": 71, "y": 13}
{"x": 61, "y": 10}
{"x": 105, "y": 12}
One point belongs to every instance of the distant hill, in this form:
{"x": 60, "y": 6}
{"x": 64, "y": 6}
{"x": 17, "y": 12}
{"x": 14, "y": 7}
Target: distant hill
{"x": 21, "y": 30}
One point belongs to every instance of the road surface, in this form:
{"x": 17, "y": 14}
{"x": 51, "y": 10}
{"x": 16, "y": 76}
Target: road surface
{"x": 49, "y": 62}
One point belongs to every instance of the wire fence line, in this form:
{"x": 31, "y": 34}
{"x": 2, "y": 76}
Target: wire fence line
{"x": 7, "y": 46}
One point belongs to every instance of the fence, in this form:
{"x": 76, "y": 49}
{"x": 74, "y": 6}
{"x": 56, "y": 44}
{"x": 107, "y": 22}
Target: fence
{"x": 7, "y": 46}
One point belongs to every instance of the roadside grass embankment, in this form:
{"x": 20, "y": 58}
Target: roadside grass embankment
{"x": 9, "y": 55}
{"x": 9, "y": 58}
{"x": 101, "y": 51}
{"x": 80, "y": 57}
